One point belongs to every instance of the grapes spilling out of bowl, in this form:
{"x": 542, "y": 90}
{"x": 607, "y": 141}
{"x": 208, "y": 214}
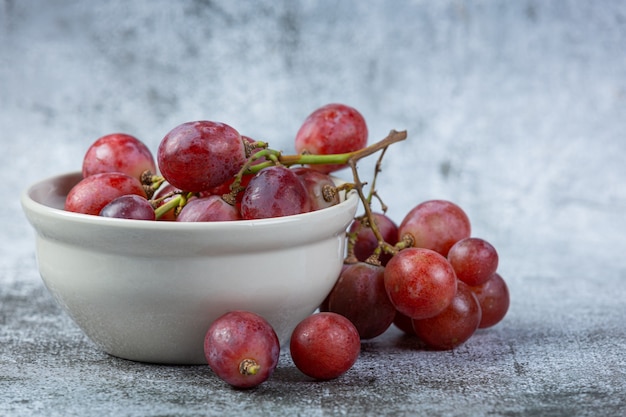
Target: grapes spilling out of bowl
{"x": 425, "y": 274}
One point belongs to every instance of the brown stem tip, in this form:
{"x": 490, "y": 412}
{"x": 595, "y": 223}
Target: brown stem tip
{"x": 249, "y": 367}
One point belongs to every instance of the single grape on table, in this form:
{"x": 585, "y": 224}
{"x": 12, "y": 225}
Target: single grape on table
{"x": 242, "y": 348}
{"x": 325, "y": 345}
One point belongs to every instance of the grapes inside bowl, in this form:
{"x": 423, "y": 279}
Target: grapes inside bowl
{"x": 148, "y": 291}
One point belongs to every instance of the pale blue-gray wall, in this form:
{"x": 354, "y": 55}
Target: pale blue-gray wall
{"x": 516, "y": 110}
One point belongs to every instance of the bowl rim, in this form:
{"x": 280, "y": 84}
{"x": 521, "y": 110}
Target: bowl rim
{"x": 30, "y": 204}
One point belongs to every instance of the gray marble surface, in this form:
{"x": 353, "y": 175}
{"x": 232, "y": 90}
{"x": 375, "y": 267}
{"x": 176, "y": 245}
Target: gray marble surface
{"x": 516, "y": 110}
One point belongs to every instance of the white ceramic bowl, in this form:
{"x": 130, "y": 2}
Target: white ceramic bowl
{"x": 148, "y": 291}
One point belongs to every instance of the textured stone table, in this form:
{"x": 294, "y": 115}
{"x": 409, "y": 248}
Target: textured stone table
{"x": 515, "y": 110}
{"x": 552, "y": 356}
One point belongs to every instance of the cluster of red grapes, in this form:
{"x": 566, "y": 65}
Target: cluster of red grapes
{"x": 430, "y": 277}
{"x": 427, "y": 275}
{"x": 210, "y": 172}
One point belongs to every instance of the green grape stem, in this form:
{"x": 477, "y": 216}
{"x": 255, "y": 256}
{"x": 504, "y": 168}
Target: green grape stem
{"x": 177, "y": 201}
{"x": 382, "y": 245}
{"x": 339, "y": 158}
{"x": 273, "y": 157}
{"x": 351, "y": 158}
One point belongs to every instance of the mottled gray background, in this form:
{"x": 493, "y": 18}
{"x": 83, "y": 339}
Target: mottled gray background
{"x": 516, "y": 110}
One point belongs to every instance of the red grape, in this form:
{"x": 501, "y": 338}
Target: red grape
{"x": 242, "y": 348}
{"x": 325, "y": 345}
{"x": 366, "y": 241}
{"x": 274, "y": 192}
{"x": 436, "y": 225}
{"x": 474, "y": 260}
{"x": 208, "y": 209}
{"x": 404, "y": 323}
{"x": 320, "y": 188}
{"x": 197, "y": 156}
{"x": 493, "y": 297}
{"x": 118, "y": 152}
{"x": 454, "y": 325}
{"x": 331, "y": 129}
{"x": 360, "y": 296}
{"x": 420, "y": 282}
{"x": 129, "y": 207}
{"x": 94, "y": 192}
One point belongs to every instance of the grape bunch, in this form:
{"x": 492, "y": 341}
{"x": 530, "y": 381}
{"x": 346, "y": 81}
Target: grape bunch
{"x": 208, "y": 171}
{"x": 427, "y": 274}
